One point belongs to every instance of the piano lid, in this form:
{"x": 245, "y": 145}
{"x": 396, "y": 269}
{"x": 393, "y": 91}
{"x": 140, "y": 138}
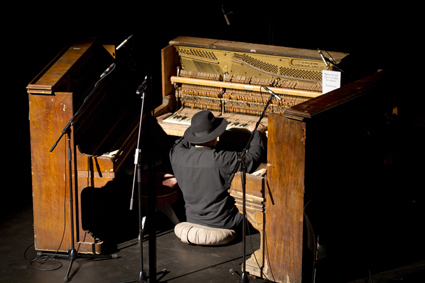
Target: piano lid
{"x": 253, "y": 48}
{"x": 53, "y": 76}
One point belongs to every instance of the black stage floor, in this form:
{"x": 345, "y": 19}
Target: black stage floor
{"x": 184, "y": 263}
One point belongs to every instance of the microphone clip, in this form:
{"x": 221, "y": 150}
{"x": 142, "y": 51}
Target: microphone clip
{"x": 323, "y": 57}
{"x": 143, "y": 86}
{"x": 272, "y": 93}
{"x": 108, "y": 70}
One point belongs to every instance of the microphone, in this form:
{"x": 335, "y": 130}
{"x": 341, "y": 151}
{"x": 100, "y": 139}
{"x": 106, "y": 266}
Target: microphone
{"x": 109, "y": 69}
{"x": 142, "y": 87}
{"x": 272, "y": 93}
{"x": 225, "y": 15}
{"x": 323, "y": 57}
{"x": 124, "y": 42}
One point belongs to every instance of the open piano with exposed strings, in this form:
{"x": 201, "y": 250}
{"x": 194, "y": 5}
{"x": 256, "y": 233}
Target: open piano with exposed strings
{"x": 227, "y": 78}
{"x": 310, "y": 135}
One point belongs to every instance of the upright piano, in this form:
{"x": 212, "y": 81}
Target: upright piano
{"x": 316, "y": 143}
{"x": 102, "y": 139}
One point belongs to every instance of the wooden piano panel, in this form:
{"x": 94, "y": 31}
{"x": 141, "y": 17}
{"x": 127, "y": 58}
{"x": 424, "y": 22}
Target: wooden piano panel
{"x": 275, "y": 203}
{"x": 49, "y": 170}
{"x": 285, "y": 201}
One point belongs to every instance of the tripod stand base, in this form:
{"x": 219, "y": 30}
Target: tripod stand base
{"x": 244, "y": 278}
{"x": 73, "y": 255}
{"x": 142, "y": 276}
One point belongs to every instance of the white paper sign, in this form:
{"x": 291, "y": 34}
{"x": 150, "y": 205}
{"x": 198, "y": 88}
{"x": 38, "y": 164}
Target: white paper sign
{"x": 330, "y": 80}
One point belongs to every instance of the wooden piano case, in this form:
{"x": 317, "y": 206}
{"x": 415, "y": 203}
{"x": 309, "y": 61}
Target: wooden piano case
{"x": 54, "y": 97}
{"x": 317, "y": 149}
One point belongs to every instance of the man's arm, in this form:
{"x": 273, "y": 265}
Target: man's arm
{"x": 256, "y": 149}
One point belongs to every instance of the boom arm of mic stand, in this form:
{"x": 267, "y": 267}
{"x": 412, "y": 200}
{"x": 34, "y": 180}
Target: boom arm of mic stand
{"x": 69, "y": 124}
{"x": 245, "y": 151}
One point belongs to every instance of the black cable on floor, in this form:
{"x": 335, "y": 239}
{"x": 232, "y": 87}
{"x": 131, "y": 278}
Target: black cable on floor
{"x": 43, "y": 259}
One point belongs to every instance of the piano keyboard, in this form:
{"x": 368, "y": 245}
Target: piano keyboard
{"x": 235, "y": 121}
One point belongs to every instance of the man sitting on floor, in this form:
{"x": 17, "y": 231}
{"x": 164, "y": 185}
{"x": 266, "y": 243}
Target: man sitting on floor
{"x": 203, "y": 172}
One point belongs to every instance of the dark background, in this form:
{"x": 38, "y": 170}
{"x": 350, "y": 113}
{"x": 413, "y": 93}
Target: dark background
{"x": 376, "y": 36}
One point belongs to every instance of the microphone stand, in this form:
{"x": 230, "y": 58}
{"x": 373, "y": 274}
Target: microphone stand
{"x": 138, "y": 173}
{"x": 241, "y": 162}
{"x": 72, "y": 253}
{"x": 151, "y": 200}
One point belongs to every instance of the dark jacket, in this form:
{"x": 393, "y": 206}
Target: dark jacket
{"x": 203, "y": 175}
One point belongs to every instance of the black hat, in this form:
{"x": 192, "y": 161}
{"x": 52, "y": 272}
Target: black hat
{"x": 204, "y": 127}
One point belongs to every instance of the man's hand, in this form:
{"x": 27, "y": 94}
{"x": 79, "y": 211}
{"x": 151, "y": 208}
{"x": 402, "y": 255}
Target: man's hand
{"x": 262, "y": 128}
